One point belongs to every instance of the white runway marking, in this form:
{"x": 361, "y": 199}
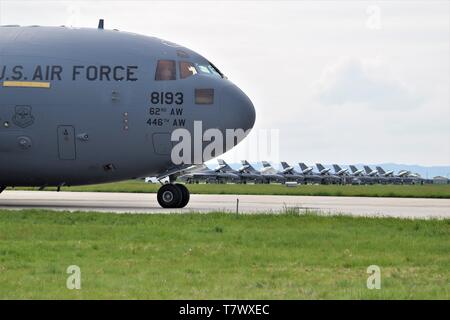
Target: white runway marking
{"x": 146, "y": 203}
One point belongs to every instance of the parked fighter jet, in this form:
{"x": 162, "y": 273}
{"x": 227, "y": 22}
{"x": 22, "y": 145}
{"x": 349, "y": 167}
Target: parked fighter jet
{"x": 327, "y": 176}
{"x": 270, "y": 174}
{"x": 305, "y": 169}
{"x": 407, "y": 177}
{"x": 414, "y": 178}
{"x": 356, "y": 171}
{"x": 322, "y": 169}
{"x": 309, "y": 175}
{"x": 343, "y": 174}
{"x": 242, "y": 175}
{"x": 248, "y": 169}
{"x": 403, "y": 173}
{"x": 410, "y": 178}
{"x": 205, "y": 174}
{"x": 82, "y": 106}
{"x": 291, "y": 174}
{"x": 339, "y": 171}
{"x": 360, "y": 177}
{"x": 370, "y": 172}
{"x": 389, "y": 175}
{"x": 375, "y": 175}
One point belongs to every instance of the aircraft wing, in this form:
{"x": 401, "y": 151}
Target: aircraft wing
{"x": 177, "y": 171}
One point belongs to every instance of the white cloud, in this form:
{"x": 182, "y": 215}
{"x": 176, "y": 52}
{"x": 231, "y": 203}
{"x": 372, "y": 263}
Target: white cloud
{"x": 353, "y": 81}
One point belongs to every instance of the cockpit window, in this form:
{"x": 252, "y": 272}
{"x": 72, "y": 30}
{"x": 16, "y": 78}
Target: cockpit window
{"x": 215, "y": 70}
{"x": 209, "y": 68}
{"x": 166, "y": 70}
{"x": 187, "y": 69}
{"x": 204, "y": 96}
{"x": 182, "y": 54}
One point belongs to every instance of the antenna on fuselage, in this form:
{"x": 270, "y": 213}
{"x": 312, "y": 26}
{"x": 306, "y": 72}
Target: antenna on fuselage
{"x": 101, "y": 24}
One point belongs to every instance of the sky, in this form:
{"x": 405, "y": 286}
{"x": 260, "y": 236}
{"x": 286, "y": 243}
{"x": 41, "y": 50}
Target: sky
{"x": 331, "y": 81}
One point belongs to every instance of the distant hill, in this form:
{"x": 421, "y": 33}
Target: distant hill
{"x": 424, "y": 171}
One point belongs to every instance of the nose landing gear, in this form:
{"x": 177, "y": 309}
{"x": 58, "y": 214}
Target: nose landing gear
{"x": 173, "y": 196}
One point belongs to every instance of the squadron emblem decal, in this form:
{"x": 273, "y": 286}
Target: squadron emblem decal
{"x": 23, "y": 117}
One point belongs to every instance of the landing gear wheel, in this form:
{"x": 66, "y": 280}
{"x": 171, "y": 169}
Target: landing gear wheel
{"x": 169, "y": 196}
{"x": 185, "y": 195}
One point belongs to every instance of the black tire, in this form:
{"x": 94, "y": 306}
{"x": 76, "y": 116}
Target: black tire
{"x": 169, "y": 196}
{"x": 185, "y": 195}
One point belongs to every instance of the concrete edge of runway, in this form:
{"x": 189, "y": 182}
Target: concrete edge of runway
{"x": 143, "y": 203}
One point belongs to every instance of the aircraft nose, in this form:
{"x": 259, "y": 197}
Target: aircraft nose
{"x": 238, "y": 111}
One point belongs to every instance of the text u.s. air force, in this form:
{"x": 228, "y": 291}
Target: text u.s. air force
{"x": 74, "y": 73}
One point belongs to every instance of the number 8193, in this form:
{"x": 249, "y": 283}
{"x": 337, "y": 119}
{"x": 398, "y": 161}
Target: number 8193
{"x": 166, "y": 98}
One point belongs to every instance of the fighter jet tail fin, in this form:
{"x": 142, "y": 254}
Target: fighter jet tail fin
{"x": 303, "y": 166}
{"x": 250, "y": 168}
{"x": 336, "y": 168}
{"x": 367, "y": 169}
{"x": 353, "y": 168}
{"x": 223, "y": 164}
{"x": 381, "y": 170}
{"x": 266, "y": 164}
{"x": 284, "y": 165}
{"x": 320, "y": 167}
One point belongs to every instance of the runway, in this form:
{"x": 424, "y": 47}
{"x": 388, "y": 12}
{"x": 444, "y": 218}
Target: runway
{"x": 146, "y": 203}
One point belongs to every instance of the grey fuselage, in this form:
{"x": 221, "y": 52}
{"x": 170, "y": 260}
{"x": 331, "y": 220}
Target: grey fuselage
{"x": 81, "y": 106}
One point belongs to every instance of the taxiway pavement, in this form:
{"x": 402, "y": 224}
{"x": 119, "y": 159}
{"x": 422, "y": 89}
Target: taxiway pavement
{"x": 146, "y": 203}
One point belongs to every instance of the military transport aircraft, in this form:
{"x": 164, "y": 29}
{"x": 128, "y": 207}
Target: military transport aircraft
{"x": 81, "y": 106}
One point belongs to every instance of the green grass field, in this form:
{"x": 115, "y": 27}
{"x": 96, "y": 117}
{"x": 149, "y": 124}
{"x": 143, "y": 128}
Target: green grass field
{"x": 404, "y": 191}
{"x": 212, "y": 256}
